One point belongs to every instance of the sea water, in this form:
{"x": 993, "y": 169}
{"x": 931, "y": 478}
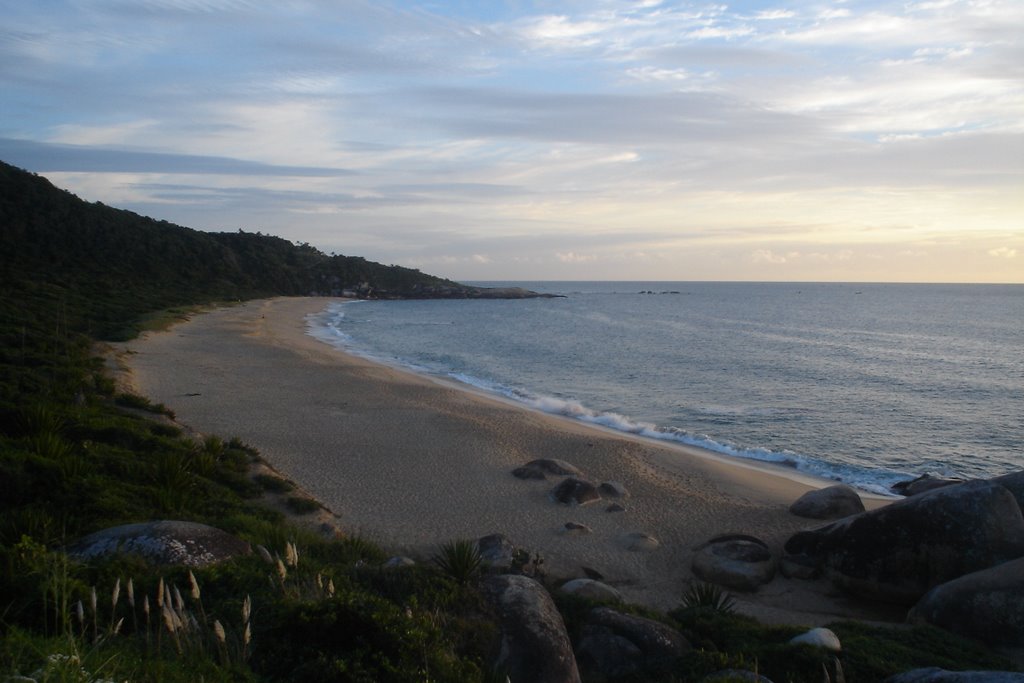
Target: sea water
{"x": 868, "y": 384}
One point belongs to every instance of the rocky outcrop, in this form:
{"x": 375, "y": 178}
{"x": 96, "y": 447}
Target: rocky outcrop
{"x": 936, "y": 675}
{"x": 831, "y": 502}
{"x": 534, "y": 643}
{"x": 736, "y": 561}
{"x": 986, "y": 605}
{"x": 574, "y": 491}
{"x": 614, "y": 644}
{"x": 163, "y": 543}
{"x": 899, "y": 552}
{"x": 922, "y": 484}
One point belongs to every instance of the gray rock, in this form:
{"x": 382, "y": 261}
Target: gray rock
{"x": 899, "y": 552}
{"x": 163, "y": 543}
{"x": 615, "y": 507}
{"x": 554, "y": 466}
{"x": 936, "y": 675}
{"x": 496, "y": 550}
{"x": 573, "y": 491}
{"x": 799, "y": 567}
{"x": 651, "y": 644}
{"x": 640, "y": 542}
{"x": 1015, "y": 483}
{"x": 922, "y": 484}
{"x": 831, "y": 502}
{"x": 823, "y": 638}
{"x": 736, "y": 561}
{"x": 399, "y": 562}
{"x": 529, "y": 472}
{"x": 986, "y": 605}
{"x": 577, "y": 528}
{"x": 613, "y": 489}
{"x": 591, "y": 589}
{"x": 534, "y": 643}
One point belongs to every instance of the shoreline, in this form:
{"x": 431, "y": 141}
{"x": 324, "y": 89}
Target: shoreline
{"x": 413, "y": 461}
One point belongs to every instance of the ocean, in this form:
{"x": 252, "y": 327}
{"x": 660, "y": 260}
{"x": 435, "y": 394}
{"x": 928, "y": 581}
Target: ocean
{"x": 867, "y": 384}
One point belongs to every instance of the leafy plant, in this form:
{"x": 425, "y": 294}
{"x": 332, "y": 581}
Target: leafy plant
{"x": 460, "y": 560}
{"x": 709, "y": 597}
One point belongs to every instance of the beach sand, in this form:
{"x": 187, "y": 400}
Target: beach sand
{"x": 411, "y": 462}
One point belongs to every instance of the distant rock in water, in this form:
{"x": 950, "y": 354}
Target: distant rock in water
{"x": 163, "y": 543}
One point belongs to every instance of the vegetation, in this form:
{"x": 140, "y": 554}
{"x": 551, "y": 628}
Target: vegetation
{"x": 76, "y": 456}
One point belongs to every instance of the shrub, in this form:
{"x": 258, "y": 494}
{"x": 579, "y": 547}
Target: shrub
{"x": 302, "y": 506}
{"x": 460, "y": 560}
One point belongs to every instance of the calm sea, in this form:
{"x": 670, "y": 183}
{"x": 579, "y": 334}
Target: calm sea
{"x": 862, "y": 383}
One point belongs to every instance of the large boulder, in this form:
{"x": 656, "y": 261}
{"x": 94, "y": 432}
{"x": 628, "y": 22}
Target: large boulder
{"x": 936, "y": 675}
{"x": 574, "y": 491}
{"x": 831, "y": 502}
{"x": 614, "y": 644}
{"x": 922, "y": 484}
{"x": 163, "y": 543}
{"x": 986, "y": 605}
{"x": 496, "y": 550}
{"x": 898, "y": 552}
{"x": 1015, "y": 483}
{"x": 534, "y": 643}
{"x": 736, "y": 561}
{"x": 591, "y": 589}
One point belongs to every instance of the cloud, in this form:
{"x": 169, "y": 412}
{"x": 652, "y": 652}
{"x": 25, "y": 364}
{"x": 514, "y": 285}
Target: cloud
{"x": 1003, "y": 252}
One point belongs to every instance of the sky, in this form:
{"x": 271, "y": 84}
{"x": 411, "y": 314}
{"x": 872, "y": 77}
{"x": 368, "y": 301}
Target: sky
{"x": 866, "y": 140}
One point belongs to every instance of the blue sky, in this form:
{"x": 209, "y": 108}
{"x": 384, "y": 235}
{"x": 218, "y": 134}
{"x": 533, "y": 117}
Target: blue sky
{"x": 545, "y": 140}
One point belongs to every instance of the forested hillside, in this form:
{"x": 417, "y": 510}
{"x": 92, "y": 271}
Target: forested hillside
{"x": 57, "y": 248}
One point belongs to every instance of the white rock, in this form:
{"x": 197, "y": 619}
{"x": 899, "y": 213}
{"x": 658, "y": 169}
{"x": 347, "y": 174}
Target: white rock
{"x": 819, "y": 637}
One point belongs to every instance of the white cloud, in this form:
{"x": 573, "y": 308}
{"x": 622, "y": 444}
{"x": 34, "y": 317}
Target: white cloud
{"x": 1003, "y": 252}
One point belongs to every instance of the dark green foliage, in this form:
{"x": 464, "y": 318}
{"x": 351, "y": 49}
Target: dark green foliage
{"x": 301, "y": 505}
{"x": 708, "y": 596}
{"x": 460, "y": 560}
{"x": 269, "y": 482}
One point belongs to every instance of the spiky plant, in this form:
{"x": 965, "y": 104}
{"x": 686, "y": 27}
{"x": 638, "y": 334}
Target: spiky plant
{"x": 708, "y": 596}
{"x": 460, "y": 560}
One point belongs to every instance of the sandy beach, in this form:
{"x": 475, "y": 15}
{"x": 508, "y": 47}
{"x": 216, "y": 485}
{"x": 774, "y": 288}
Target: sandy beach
{"x": 411, "y": 462}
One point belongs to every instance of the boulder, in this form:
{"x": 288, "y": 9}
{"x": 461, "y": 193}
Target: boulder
{"x": 831, "y": 502}
{"x": 736, "y": 561}
{"x": 534, "y": 643}
{"x": 574, "y": 491}
{"x": 399, "y": 562}
{"x": 496, "y": 550}
{"x": 556, "y": 467}
{"x": 823, "y": 638}
{"x": 1015, "y": 483}
{"x": 165, "y": 542}
{"x": 529, "y": 472}
{"x": 640, "y": 542}
{"x": 614, "y": 644}
{"x": 922, "y": 484}
{"x": 613, "y": 489}
{"x": 898, "y": 552}
{"x": 592, "y": 590}
{"x": 985, "y": 605}
{"x": 799, "y": 567}
{"x": 936, "y": 675}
